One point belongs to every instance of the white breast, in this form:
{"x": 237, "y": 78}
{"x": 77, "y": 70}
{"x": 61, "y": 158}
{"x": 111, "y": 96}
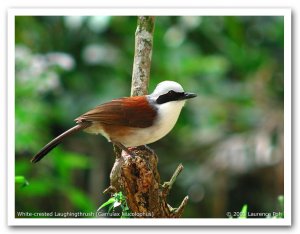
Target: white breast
{"x": 168, "y": 114}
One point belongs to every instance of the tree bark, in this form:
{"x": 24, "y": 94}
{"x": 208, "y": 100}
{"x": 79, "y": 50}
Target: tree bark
{"x": 138, "y": 177}
{"x": 142, "y": 55}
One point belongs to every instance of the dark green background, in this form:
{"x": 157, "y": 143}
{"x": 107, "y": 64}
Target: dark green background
{"x": 229, "y": 138}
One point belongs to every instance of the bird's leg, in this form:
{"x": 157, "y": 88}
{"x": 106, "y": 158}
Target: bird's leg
{"x": 121, "y": 146}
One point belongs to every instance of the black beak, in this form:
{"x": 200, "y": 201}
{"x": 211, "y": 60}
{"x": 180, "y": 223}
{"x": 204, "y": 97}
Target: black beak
{"x": 189, "y": 95}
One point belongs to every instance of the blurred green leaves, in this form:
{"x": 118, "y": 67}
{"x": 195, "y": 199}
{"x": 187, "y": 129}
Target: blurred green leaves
{"x": 212, "y": 65}
{"x": 56, "y": 179}
{"x": 244, "y": 212}
{"x": 21, "y": 181}
{"x": 65, "y": 162}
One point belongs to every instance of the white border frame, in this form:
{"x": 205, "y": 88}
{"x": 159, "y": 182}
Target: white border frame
{"x": 12, "y": 221}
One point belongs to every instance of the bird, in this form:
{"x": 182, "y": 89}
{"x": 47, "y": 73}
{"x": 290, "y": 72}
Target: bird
{"x": 130, "y": 121}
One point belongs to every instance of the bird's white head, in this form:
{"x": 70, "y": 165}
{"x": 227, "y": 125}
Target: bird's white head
{"x": 166, "y": 86}
{"x": 169, "y": 91}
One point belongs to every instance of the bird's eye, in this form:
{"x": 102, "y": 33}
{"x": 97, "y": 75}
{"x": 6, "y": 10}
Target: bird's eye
{"x": 171, "y": 92}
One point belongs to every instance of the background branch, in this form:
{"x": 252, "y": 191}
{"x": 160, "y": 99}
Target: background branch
{"x": 142, "y": 55}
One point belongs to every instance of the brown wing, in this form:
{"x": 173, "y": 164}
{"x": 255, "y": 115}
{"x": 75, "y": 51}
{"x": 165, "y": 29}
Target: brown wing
{"x": 130, "y": 112}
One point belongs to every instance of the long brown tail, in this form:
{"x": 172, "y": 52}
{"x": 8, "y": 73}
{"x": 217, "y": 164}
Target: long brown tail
{"x": 52, "y": 144}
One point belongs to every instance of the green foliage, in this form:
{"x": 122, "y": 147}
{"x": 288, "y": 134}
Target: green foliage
{"x": 117, "y": 200}
{"x": 21, "y": 181}
{"x": 244, "y": 212}
{"x": 79, "y": 199}
{"x": 280, "y": 201}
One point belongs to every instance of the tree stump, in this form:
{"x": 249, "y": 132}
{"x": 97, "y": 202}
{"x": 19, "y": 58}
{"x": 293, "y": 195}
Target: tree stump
{"x": 138, "y": 179}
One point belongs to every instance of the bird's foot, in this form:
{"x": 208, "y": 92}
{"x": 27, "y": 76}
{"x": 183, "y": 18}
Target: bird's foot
{"x": 127, "y": 150}
{"x": 130, "y": 152}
